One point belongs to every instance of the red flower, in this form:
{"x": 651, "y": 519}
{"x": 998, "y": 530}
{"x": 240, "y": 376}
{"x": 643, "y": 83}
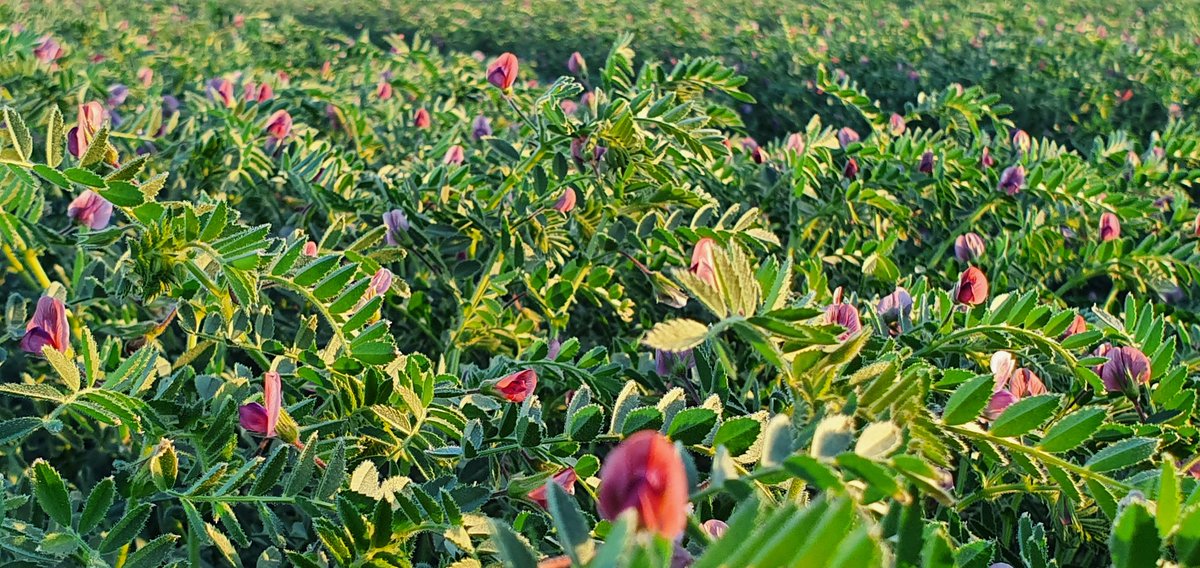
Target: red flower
{"x": 1025, "y": 383}
{"x": 517, "y": 386}
{"x": 48, "y": 326}
{"x": 1078, "y": 325}
{"x": 972, "y": 288}
{"x": 384, "y": 91}
{"x": 566, "y": 202}
{"x": 565, "y": 479}
{"x": 645, "y": 473}
{"x": 422, "y": 120}
{"x": 1110, "y": 227}
{"x": 502, "y": 73}
{"x": 279, "y": 125}
{"x": 851, "y": 169}
{"x": 703, "y": 265}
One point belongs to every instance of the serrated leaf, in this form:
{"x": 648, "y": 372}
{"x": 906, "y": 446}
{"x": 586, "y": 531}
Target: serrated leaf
{"x": 1073, "y": 430}
{"x": 126, "y": 529}
{"x": 1025, "y": 415}
{"x": 968, "y": 400}
{"x": 1125, "y": 453}
{"x": 51, "y": 493}
{"x": 676, "y": 335}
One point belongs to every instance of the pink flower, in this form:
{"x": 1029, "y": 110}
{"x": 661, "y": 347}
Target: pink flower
{"x": 972, "y": 287}
{"x": 844, "y": 315}
{"x": 91, "y": 117}
{"x": 847, "y": 136}
{"x": 795, "y": 143}
{"x": 421, "y": 119}
{"x": 1110, "y": 227}
{"x": 1126, "y": 368}
{"x": 48, "y": 50}
{"x": 1078, "y": 325}
{"x": 565, "y": 479}
{"x": 279, "y": 125}
{"x": 645, "y": 473}
{"x": 310, "y": 249}
{"x": 262, "y": 419}
{"x": 502, "y": 73}
{"x": 568, "y": 106}
{"x": 892, "y": 306}
{"x": 575, "y": 64}
{"x": 566, "y": 202}
{"x": 222, "y": 90}
{"x": 48, "y": 326}
{"x": 1021, "y": 140}
{"x": 517, "y": 386}
{"x": 986, "y": 160}
{"x": 91, "y": 210}
{"x": 1012, "y": 179}
{"x": 1003, "y": 365}
{"x": 1025, "y": 383}
{"x": 715, "y": 528}
{"x": 896, "y": 124}
{"x": 381, "y": 282}
{"x": 1000, "y": 400}
{"x": 969, "y": 247}
{"x": 703, "y": 265}
{"x": 146, "y": 76}
{"x": 395, "y": 221}
{"x": 384, "y": 91}
{"x": 454, "y": 155}
{"x": 265, "y": 93}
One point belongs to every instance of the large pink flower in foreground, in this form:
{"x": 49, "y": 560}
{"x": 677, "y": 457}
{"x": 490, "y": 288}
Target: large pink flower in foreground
{"x": 645, "y": 473}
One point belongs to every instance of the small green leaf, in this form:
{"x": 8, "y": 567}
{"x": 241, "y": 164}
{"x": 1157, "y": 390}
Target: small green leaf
{"x": 99, "y": 501}
{"x": 676, "y": 335}
{"x": 1134, "y": 541}
{"x": 1123, "y": 454}
{"x": 573, "y": 531}
{"x": 1073, "y": 430}
{"x": 1025, "y": 415}
{"x": 968, "y": 400}
{"x": 51, "y": 493}
{"x": 778, "y": 441}
{"x": 126, "y": 529}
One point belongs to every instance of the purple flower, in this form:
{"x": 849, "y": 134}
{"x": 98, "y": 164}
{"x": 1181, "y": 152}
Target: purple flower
{"x": 481, "y": 127}
{"x": 895, "y": 305}
{"x": 395, "y": 221}
{"x": 262, "y": 419}
{"x": 90, "y": 209}
{"x": 667, "y": 363}
{"x": 117, "y": 95}
{"x": 48, "y": 50}
{"x": 847, "y": 136}
{"x": 969, "y": 247}
{"x": 48, "y": 326}
{"x": 1012, "y": 179}
{"x": 1126, "y": 368}
{"x": 926, "y": 165}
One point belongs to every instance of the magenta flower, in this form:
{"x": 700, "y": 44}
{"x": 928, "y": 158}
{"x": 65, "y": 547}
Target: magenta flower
{"x": 851, "y": 170}
{"x": 421, "y": 119}
{"x": 566, "y": 202}
{"x": 262, "y": 418}
{"x": 576, "y": 65}
{"x": 847, "y": 136}
{"x": 969, "y": 247}
{"x": 844, "y": 315}
{"x": 91, "y": 210}
{"x": 279, "y": 125}
{"x": 481, "y": 127}
{"x": 1126, "y": 368}
{"x": 222, "y": 90}
{"x": 48, "y": 326}
{"x": 1012, "y": 179}
{"x": 454, "y": 155}
{"x": 395, "y": 221}
{"x": 972, "y": 287}
{"x": 986, "y": 160}
{"x": 1000, "y": 400}
{"x": 1110, "y": 227}
{"x": 795, "y": 143}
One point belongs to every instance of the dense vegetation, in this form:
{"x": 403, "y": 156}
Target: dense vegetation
{"x": 752, "y": 285}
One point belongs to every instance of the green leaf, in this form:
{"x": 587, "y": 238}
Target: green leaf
{"x": 692, "y": 425}
{"x": 968, "y": 400}
{"x": 15, "y": 428}
{"x": 55, "y": 137}
{"x": 513, "y": 551}
{"x": 573, "y": 531}
{"x": 1025, "y": 415}
{"x": 97, "y": 148}
{"x": 645, "y": 418}
{"x": 335, "y": 473}
{"x": 19, "y": 133}
{"x": 737, "y": 434}
{"x": 586, "y": 423}
{"x": 1187, "y": 537}
{"x": 59, "y": 543}
{"x": 52, "y": 175}
{"x": 676, "y": 335}
{"x": 1125, "y": 453}
{"x": 153, "y": 553}
{"x": 99, "y": 501}
{"x": 1134, "y": 542}
{"x": 1073, "y": 430}
{"x": 164, "y": 466}
{"x": 126, "y": 529}
{"x": 303, "y": 471}
{"x": 51, "y": 493}
{"x": 1167, "y": 503}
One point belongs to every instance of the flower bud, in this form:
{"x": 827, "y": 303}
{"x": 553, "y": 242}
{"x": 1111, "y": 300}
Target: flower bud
{"x": 897, "y": 125}
{"x": 517, "y": 386}
{"x": 395, "y": 221}
{"x": 421, "y": 119}
{"x": 576, "y": 65}
{"x": 91, "y": 210}
{"x": 926, "y": 165}
{"x": 667, "y": 363}
{"x": 145, "y": 76}
{"x": 566, "y": 202}
{"x": 1000, "y": 400}
{"x": 565, "y": 479}
{"x": 454, "y": 155}
{"x": 1126, "y": 368}
{"x": 985, "y": 159}
{"x": 1021, "y": 140}
{"x": 1078, "y": 325}
{"x": 795, "y": 143}
{"x": 896, "y": 305}
{"x": 502, "y": 73}
{"x": 851, "y": 170}
{"x": 1012, "y": 179}
{"x": 279, "y": 125}
{"x": 969, "y": 247}
{"x": 1110, "y": 227}
{"x": 383, "y": 92}
{"x": 972, "y": 288}
{"x": 481, "y": 127}
{"x": 644, "y": 473}
{"x": 47, "y": 327}
{"x": 847, "y": 136}
{"x": 703, "y": 265}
